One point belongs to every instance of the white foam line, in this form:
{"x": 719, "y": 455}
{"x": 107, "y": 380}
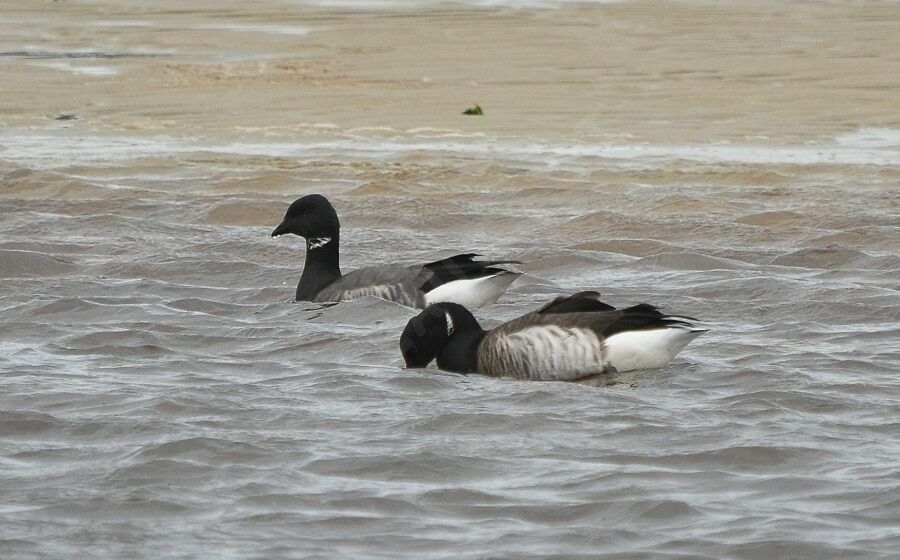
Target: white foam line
{"x": 264, "y": 28}
{"x": 122, "y": 23}
{"x": 247, "y": 28}
{"x": 79, "y": 69}
{"x": 386, "y": 5}
{"x": 43, "y": 151}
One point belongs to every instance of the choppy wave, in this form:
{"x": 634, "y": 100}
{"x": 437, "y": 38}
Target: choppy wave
{"x": 160, "y": 386}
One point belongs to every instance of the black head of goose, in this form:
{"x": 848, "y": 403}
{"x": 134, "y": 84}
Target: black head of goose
{"x": 568, "y": 339}
{"x": 460, "y": 278}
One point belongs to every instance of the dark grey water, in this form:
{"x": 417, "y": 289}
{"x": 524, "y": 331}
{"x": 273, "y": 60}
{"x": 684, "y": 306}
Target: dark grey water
{"x": 163, "y": 397}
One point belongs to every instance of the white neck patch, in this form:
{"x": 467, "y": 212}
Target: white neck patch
{"x": 316, "y": 242}
{"x": 449, "y": 323}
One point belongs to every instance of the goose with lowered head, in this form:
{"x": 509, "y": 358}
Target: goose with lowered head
{"x": 569, "y": 339}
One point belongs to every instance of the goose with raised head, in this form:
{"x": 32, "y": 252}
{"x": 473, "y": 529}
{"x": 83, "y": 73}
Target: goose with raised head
{"x": 460, "y": 279}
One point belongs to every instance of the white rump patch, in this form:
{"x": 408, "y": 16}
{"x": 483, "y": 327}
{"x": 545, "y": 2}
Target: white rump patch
{"x": 316, "y": 242}
{"x": 472, "y": 292}
{"x": 646, "y": 349}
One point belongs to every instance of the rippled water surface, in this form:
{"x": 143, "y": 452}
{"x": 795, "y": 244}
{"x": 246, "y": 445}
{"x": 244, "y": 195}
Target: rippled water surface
{"x": 162, "y": 396}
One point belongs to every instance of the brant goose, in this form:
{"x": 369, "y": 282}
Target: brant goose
{"x": 569, "y": 339}
{"x": 459, "y": 279}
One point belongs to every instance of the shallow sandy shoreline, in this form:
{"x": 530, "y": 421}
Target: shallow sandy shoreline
{"x": 782, "y": 73}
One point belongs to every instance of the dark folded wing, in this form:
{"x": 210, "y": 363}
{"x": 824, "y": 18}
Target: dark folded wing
{"x": 580, "y": 302}
{"x": 644, "y": 316}
{"x": 580, "y": 311}
{"x": 458, "y": 267}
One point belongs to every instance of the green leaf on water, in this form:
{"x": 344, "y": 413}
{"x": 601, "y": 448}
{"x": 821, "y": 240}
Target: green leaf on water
{"x": 476, "y": 110}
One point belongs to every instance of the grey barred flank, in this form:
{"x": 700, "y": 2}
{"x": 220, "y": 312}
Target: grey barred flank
{"x": 542, "y": 353}
{"x": 394, "y": 292}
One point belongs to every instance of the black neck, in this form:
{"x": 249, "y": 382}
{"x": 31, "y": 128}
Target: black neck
{"x": 322, "y": 267}
{"x": 461, "y": 352}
